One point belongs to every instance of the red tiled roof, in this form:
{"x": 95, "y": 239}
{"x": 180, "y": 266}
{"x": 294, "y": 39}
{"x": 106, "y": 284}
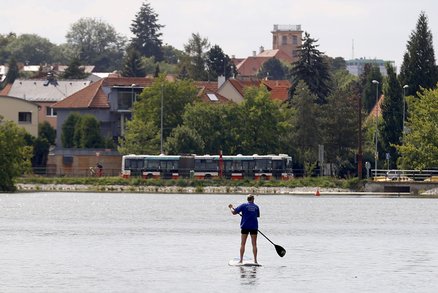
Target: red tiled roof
{"x": 208, "y": 85}
{"x": 221, "y": 99}
{"x": 278, "y": 89}
{"x": 240, "y": 85}
{"x": 377, "y": 109}
{"x": 251, "y": 65}
{"x": 277, "y": 53}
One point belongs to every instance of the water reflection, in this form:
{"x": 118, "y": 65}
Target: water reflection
{"x": 248, "y": 275}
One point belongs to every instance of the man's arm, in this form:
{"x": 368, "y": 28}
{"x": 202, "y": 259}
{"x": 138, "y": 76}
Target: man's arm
{"x": 233, "y": 211}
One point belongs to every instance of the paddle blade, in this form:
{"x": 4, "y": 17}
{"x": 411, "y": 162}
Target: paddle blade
{"x": 280, "y": 250}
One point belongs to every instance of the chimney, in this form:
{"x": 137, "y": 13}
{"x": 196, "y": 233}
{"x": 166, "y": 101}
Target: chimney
{"x": 254, "y": 53}
{"x": 220, "y": 81}
{"x": 262, "y": 49}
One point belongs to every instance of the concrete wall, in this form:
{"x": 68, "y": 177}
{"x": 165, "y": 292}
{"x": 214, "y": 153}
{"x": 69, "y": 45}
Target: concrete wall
{"x": 10, "y": 107}
{"x": 414, "y": 187}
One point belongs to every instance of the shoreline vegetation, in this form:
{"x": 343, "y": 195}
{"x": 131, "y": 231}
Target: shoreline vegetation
{"x": 299, "y": 186}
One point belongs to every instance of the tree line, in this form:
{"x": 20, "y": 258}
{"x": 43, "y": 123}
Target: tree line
{"x": 327, "y": 106}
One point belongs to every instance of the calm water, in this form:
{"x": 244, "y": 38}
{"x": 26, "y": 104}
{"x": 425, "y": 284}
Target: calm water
{"x": 91, "y": 242}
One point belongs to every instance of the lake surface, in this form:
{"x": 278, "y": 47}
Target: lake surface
{"x": 92, "y": 242}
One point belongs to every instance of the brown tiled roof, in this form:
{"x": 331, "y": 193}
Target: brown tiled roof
{"x": 93, "y": 95}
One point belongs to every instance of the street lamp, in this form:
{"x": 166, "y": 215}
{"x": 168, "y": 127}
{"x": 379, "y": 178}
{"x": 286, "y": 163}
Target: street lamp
{"x": 161, "y": 122}
{"x": 404, "y": 110}
{"x": 376, "y": 155}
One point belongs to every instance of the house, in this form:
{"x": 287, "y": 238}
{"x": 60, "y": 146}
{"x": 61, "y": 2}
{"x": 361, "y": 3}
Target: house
{"x": 234, "y": 89}
{"x": 24, "y": 113}
{"x": 45, "y": 93}
{"x": 110, "y": 100}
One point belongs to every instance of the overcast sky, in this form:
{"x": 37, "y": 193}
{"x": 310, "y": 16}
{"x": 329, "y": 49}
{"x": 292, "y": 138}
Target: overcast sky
{"x": 377, "y": 28}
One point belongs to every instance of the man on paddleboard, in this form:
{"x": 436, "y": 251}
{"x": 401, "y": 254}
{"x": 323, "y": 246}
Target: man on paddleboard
{"x": 248, "y": 224}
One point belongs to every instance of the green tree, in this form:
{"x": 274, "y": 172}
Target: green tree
{"x": 339, "y": 125}
{"x": 420, "y": 144}
{"x": 146, "y": 30}
{"x": 371, "y": 72}
{"x": 74, "y": 70}
{"x": 337, "y": 63}
{"x": 96, "y": 42}
{"x": 133, "y": 65}
{"x": 218, "y": 63}
{"x": 12, "y": 74}
{"x": 391, "y": 129}
{"x": 142, "y": 136}
{"x": 15, "y": 158}
{"x": 312, "y": 69}
{"x": 41, "y": 149}
{"x": 259, "y": 128}
{"x": 306, "y": 127}
{"x": 419, "y": 66}
{"x": 171, "y": 55}
{"x": 68, "y": 130}
{"x": 215, "y": 124}
{"x": 196, "y": 49}
{"x": 273, "y": 69}
{"x": 45, "y": 130}
{"x": 31, "y": 49}
{"x": 87, "y": 132}
{"x": 184, "y": 140}
{"x": 5, "y": 40}
{"x": 147, "y": 111}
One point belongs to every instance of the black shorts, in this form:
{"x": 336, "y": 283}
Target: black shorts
{"x": 249, "y": 231}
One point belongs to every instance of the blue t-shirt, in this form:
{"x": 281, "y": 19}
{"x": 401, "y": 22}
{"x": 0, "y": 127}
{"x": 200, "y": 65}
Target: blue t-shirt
{"x": 250, "y": 212}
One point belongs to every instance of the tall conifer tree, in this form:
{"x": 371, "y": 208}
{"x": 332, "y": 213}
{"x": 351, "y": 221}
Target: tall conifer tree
{"x": 419, "y": 66}
{"x": 392, "y": 114}
{"x": 146, "y": 30}
{"x": 312, "y": 69}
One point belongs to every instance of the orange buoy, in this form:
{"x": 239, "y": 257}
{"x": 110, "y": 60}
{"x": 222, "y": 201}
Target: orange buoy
{"x": 317, "y": 192}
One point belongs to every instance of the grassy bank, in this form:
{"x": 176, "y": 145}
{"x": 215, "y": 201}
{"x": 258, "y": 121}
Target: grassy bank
{"x": 353, "y": 184}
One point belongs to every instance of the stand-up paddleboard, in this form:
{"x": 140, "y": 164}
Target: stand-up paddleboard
{"x": 246, "y": 263}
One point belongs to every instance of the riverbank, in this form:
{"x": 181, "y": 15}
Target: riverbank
{"x": 316, "y": 191}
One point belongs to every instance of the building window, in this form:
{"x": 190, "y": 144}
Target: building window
{"x": 294, "y": 40}
{"x": 50, "y": 111}
{"x": 284, "y": 40}
{"x": 24, "y": 117}
{"x": 125, "y": 100}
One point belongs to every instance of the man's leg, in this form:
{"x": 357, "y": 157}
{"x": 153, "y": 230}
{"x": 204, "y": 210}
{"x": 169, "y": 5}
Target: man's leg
{"x": 254, "y": 246}
{"x": 242, "y": 246}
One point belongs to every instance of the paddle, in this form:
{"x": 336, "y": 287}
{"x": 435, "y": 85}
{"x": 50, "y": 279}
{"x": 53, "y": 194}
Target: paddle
{"x": 280, "y": 250}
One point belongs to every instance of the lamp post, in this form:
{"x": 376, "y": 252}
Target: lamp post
{"x": 404, "y": 111}
{"x": 376, "y": 155}
{"x": 161, "y": 121}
